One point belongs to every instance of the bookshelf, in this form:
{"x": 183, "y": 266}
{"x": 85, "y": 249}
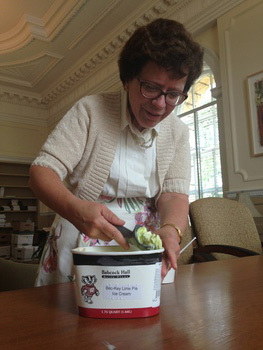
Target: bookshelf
{"x": 17, "y": 201}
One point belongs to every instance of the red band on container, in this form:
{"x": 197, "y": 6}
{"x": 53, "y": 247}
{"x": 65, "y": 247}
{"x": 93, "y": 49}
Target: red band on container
{"x": 119, "y": 313}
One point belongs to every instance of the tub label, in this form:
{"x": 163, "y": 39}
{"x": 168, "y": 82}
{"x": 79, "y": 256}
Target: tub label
{"x": 119, "y": 287}
{"x": 124, "y": 291}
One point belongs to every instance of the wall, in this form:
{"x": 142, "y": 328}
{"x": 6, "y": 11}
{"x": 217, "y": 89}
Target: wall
{"x": 241, "y": 51}
{"x": 209, "y": 38}
{"x": 23, "y": 129}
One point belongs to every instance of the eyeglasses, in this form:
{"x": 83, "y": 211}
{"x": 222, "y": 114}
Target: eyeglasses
{"x": 152, "y": 91}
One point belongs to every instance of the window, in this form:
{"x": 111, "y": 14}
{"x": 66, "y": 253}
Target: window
{"x": 199, "y": 112}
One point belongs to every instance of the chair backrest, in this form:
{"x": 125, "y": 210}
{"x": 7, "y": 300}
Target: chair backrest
{"x": 224, "y": 221}
{"x": 187, "y": 255}
{"x": 16, "y": 275}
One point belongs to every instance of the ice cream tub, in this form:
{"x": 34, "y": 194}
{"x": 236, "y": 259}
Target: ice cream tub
{"x": 111, "y": 282}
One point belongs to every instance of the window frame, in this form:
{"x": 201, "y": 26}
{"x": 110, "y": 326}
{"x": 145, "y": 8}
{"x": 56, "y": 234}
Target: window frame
{"x": 198, "y": 191}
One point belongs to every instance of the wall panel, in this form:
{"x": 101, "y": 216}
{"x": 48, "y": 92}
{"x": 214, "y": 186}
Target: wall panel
{"x": 241, "y": 51}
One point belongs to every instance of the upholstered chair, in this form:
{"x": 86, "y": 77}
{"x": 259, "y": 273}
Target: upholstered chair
{"x": 225, "y": 226}
{"x": 187, "y": 256}
{"x": 16, "y": 275}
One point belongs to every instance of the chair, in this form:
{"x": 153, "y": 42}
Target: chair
{"x": 16, "y": 275}
{"x": 224, "y": 226}
{"x": 187, "y": 256}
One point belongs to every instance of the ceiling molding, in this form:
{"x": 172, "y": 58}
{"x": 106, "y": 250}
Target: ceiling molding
{"x": 187, "y": 11}
{"x": 195, "y": 14}
{"x": 110, "y": 6}
{"x": 29, "y": 71}
{"x": 45, "y": 29}
{"x": 91, "y": 86}
{"x": 110, "y": 49}
{"x": 21, "y": 98}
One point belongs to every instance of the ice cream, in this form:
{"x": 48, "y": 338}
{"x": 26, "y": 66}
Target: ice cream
{"x": 148, "y": 238}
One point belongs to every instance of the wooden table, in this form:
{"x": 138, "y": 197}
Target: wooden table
{"x": 214, "y": 305}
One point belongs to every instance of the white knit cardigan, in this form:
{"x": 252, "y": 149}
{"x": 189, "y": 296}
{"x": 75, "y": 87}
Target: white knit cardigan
{"x": 82, "y": 146}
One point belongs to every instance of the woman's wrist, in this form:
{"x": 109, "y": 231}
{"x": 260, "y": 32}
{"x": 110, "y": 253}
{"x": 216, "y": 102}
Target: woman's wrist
{"x": 71, "y": 207}
{"x": 177, "y": 229}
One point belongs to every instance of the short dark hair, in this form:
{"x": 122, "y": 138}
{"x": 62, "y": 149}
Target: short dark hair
{"x": 168, "y": 44}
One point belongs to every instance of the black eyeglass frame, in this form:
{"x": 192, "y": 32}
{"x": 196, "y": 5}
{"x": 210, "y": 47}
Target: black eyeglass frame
{"x": 181, "y": 94}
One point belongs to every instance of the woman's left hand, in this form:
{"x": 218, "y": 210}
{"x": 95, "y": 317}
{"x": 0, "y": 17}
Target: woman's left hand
{"x": 173, "y": 208}
{"x": 171, "y": 246}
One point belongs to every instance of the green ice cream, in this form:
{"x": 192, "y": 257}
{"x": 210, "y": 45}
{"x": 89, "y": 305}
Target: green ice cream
{"x": 149, "y": 238}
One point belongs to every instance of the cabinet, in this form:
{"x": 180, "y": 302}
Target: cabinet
{"x": 17, "y": 201}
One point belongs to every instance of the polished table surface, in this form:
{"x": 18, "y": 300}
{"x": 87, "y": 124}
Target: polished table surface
{"x": 213, "y": 305}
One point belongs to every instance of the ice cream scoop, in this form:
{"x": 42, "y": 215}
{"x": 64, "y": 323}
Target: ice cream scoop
{"x": 141, "y": 237}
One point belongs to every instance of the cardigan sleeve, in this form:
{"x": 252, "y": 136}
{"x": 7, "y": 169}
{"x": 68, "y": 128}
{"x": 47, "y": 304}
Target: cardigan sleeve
{"x": 177, "y": 178}
{"x": 65, "y": 145}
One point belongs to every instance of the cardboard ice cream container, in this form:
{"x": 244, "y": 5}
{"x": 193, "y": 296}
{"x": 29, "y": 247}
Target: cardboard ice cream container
{"x": 169, "y": 278}
{"x": 111, "y": 282}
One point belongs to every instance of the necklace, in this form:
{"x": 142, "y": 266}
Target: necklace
{"x": 139, "y": 141}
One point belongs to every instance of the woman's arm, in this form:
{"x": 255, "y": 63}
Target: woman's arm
{"x": 91, "y": 218}
{"x": 173, "y": 209}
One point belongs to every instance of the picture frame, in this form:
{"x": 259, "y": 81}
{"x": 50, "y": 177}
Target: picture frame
{"x": 255, "y": 93}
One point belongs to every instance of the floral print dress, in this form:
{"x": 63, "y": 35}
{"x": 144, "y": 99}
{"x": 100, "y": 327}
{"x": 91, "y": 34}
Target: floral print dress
{"x": 56, "y": 265}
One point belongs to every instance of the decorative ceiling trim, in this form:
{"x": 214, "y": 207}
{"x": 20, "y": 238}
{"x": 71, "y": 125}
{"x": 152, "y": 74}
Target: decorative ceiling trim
{"x": 21, "y": 98}
{"x": 94, "y": 85}
{"x": 22, "y": 68}
{"x": 188, "y": 12}
{"x": 45, "y": 29}
{"x": 110, "y": 6}
{"x": 110, "y": 50}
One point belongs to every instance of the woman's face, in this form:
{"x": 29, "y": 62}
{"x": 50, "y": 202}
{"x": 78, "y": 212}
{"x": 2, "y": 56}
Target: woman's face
{"x": 147, "y": 112}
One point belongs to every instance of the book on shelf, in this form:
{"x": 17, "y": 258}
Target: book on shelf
{"x": 6, "y": 224}
{"x": 31, "y": 207}
{"x": 5, "y": 208}
{"x": 16, "y": 207}
{"x": 3, "y": 222}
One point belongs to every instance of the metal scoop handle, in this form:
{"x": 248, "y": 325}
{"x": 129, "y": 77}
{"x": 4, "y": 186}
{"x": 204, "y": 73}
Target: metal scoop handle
{"x": 125, "y": 232}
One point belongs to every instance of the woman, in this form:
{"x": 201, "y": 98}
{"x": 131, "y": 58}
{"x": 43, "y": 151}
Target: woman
{"x": 124, "y": 157}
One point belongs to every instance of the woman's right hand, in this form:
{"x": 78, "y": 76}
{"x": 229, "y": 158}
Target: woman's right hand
{"x": 91, "y": 218}
{"x": 96, "y": 221}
